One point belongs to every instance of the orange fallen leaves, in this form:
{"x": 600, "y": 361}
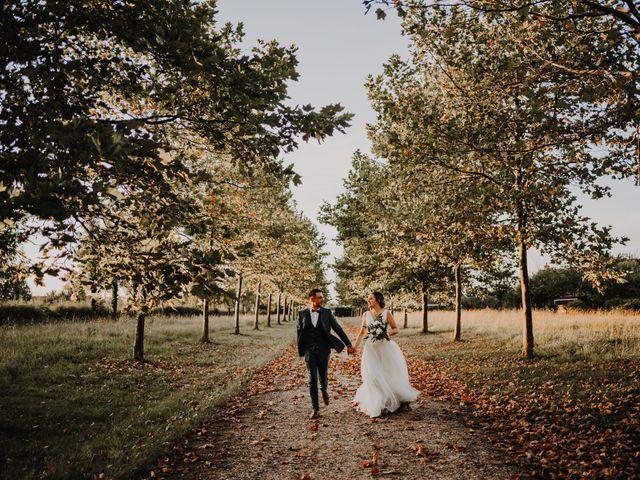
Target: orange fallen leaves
{"x": 550, "y": 423}
{"x": 372, "y": 462}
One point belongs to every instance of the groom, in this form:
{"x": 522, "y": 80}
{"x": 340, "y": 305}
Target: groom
{"x": 315, "y": 343}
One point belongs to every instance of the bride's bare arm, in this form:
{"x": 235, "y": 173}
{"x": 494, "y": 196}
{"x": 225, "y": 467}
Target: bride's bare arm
{"x": 362, "y": 332}
{"x": 392, "y": 324}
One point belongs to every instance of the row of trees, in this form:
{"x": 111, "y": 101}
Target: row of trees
{"x": 550, "y": 283}
{"x": 553, "y": 286}
{"x": 142, "y": 144}
{"x": 501, "y": 112}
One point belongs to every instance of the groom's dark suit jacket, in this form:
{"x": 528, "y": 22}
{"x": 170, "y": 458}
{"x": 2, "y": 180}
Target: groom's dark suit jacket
{"x": 326, "y": 321}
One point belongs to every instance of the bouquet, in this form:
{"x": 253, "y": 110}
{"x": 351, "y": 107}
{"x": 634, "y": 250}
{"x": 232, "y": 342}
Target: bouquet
{"x": 377, "y": 330}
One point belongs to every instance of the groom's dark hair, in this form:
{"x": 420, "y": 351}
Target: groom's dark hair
{"x": 313, "y": 291}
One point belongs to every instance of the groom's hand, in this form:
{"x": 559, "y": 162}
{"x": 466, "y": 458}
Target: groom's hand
{"x": 351, "y": 350}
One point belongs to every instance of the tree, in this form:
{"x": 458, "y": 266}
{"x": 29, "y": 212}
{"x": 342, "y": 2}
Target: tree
{"x": 264, "y": 219}
{"x": 591, "y": 44}
{"x": 551, "y": 283}
{"x": 428, "y": 210}
{"x": 146, "y": 252}
{"x": 13, "y": 267}
{"x": 92, "y": 95}
{"x": 378, "y": 254}
{"x": 470, "y": 103}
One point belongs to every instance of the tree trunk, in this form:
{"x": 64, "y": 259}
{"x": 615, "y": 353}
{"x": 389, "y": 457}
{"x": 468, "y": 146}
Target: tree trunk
{"x": 285, "y": 309}
{"x": 291, "y": 310}
{"x": 138, "y": 344}
{"x": 257, "y": 312}
{"x": 205, "y": 321}
{"x": 425, "y": 308}
{"x": 114, "y": 300}
{"x": 279, "y": 307}
{"x": 406, "y": 318}
{"x": 527, "y": 312}
{"x": 269, "y": 311}
{"x": 237, "y": 306}
{"x": 458, "y": 274}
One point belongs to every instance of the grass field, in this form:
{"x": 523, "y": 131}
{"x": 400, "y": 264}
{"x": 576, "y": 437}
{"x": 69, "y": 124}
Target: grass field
{"x": 565, "y": 336}
{"x": 73, "y": 404}
{"x": 572, "y": 412}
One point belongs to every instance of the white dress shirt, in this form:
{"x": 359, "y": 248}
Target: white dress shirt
{"x": 314, "y": 317}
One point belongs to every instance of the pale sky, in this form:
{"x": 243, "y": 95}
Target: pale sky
{"x": 338, "y": 46}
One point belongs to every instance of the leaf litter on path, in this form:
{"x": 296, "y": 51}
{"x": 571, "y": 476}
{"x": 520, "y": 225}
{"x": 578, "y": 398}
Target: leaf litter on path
{"x": 265, "y": 433}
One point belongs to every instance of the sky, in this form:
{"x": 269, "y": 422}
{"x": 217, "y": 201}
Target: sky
{"x": 338, "y": 47}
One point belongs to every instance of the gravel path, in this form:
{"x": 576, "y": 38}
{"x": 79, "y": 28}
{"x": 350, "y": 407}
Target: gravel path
{"x": 267, "y": 434}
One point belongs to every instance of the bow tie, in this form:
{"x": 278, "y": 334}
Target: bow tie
{"x": 317, "y": 311}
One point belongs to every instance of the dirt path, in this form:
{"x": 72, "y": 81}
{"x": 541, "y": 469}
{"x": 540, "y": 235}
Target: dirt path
{"x": 268, "y": 435}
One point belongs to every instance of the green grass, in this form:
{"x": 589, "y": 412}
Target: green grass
{"x": 73, "y": 404}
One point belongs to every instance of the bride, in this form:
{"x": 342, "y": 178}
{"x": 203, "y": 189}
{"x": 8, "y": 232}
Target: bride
{"x": 385, "y": 379}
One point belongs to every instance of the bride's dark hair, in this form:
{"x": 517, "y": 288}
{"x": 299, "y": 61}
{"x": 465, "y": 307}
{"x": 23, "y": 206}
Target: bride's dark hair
{"x": 379, "y": 298}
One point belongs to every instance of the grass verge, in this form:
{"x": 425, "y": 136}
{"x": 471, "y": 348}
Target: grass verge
{"x": 572, "y": 412}
{"x": 73, "y": 404}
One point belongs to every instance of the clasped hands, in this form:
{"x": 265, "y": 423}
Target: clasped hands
{"x": 351, "y": 350}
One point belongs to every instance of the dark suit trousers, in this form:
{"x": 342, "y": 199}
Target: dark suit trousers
{"x": 318, "y": 366}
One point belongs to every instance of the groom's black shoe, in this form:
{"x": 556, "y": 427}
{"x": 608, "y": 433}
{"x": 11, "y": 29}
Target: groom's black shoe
{"x": 315, "y": 414}
{"x": 325, "y": 397}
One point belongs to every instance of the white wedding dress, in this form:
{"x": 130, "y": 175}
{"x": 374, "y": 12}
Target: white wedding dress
{"x": 385, "y": 378}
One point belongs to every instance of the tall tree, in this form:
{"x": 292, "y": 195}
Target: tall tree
{"x": 378, "y": 254}
{"x": 471, "y": 103}
{"x": 430, "y": 210}
{"x": 92, "y": 92}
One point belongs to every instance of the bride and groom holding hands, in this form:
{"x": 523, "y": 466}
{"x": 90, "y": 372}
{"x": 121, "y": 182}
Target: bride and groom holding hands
{"x": 385, "y": 379}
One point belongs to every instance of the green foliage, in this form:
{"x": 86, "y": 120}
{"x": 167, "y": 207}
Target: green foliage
{"x": 19, "y": 313}
{"x": 90, "y": 90}
{"x": 632, "y": 304}
{"x": 176, "y": 310}
{"x": 22, "y": 313}
{"x": 614, "y": 303}
{"x": 579, "y": 305}
{"x": 551, "y": 283}
{"x": 554, "y": 282}
{"x": 14, "y": 289}
{"x": 117, "y": 123}
{"x": 483, "y": 99}
{"x": 13, "y": 266}
{"x": 264, "y": 219}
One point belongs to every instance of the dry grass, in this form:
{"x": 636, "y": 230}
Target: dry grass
{"x": 586, "y": 335}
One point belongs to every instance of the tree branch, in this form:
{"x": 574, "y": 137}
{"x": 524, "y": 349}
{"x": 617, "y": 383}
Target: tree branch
{"x": 612, "y": 11}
